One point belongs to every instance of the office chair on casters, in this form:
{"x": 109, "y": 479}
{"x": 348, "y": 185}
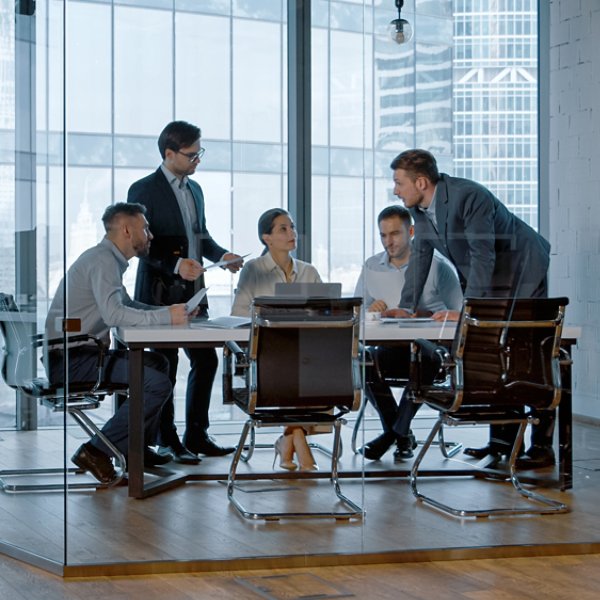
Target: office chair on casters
{"x": 18, "y": 367}
{"x": 505, "y": 360}
{"x": 301, "y": 369}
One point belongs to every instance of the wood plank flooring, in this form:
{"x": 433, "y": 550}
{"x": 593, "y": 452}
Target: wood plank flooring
{"x": 553, "y": 578}
{"x": 194, "y": 527}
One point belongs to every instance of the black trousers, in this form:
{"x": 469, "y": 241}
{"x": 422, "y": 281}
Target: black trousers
{"x": 83, "y": 364}
{"x": 390, "y": 364}
{"x": 203, "y": 367}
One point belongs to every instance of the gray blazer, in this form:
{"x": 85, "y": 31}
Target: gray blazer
{"x": 494, "y": 252}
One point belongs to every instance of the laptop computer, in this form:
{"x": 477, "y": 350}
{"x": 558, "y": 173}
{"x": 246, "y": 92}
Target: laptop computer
{"x": 308, "y": 290}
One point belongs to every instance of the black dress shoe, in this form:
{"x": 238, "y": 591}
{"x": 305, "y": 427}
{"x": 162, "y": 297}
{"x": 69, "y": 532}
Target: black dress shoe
{"x": 537, "y": 457}
{"x": 376, "y": 448}
{"x": 89, "y": 458}
{"x": 154, "y": 459}
{"x": 404, "y": 447}
{"x": 401, "y": 454}
{"x": 482, "y": 452}
{"x": 179, "y": 455}
{"x": 208, "y": 447}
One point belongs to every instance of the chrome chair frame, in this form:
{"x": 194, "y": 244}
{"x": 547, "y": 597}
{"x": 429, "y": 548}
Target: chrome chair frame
{"x": 448, "y": 449}
{"x": 502, "y": 395}
{"x": 18, "y": 360}
{"x": 265, "y": 408}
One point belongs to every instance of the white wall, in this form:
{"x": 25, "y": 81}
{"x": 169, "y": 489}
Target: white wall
{"x": 574, "y": 183}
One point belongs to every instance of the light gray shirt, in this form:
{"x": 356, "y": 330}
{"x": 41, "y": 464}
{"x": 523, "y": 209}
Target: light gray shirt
{"x": 259, "y": 276}
{"x": 381, "y": 280}
{"x": 187, "y": 206}
{"x": 97, "y": 296}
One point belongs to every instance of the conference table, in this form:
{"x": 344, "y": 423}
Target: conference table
{"x": 136, "y": 339}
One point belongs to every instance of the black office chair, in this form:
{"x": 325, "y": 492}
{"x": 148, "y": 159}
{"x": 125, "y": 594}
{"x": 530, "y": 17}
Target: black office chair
{"x": 18, "y": 366}
{"x": 302, "y": 369}
{"x": 504, "y": 361}
{"x": 371, "y": 359}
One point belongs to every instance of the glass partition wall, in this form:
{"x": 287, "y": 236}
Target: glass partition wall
{"x": 87, "y": 85}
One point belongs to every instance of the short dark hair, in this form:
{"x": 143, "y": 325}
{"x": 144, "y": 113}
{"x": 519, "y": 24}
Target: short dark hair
{"x": 177, "y": 135}
{"x": 417, "y": 163}
{"x": 130, "y": 209}
{"x": 265, "y": 222}
{"x": 395, "y": 210}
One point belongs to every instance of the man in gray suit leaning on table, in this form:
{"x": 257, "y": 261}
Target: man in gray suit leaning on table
{"x": 493, "y": 251}
{"x": 95, "y": 294}
{"x": 173, "y": 272}
{"x": 380, "y": 285}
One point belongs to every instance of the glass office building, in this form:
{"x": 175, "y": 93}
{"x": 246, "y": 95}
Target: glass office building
{"x": 495, "y": 91}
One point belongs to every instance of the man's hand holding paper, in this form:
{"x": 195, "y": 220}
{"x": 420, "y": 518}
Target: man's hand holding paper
{"x": 190, "y": 269}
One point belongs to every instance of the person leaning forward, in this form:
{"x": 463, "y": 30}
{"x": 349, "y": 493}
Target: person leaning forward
{"x": 173, "y": 272}
{"x": 96, "y": 295}
{"x": 495, "y": 254}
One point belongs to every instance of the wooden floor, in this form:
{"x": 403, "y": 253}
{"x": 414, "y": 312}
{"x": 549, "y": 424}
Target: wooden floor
{"x": 194, "y": 528}
{"x": 552, "y": 578}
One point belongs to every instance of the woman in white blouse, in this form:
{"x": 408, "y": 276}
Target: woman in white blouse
{"x": 277, "y": 232}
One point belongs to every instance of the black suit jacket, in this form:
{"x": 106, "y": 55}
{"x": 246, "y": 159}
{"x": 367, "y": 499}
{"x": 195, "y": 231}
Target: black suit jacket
{"x": 156, "y": 282}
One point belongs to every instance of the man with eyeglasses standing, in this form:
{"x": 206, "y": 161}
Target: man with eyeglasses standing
{"x": 173, "y": 273}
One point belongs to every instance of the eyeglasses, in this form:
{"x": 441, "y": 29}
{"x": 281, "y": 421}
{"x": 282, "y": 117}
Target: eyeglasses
{"x": 193, "y": 156}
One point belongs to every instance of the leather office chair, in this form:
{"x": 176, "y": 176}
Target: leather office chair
{"x": 371, "y": 360}
{"x": 301, "y": 368}
{"x": 505, "y": 360}
{"x": 18, "y": 366}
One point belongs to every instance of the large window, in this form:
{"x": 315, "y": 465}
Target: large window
{"x": 465, "y": 88}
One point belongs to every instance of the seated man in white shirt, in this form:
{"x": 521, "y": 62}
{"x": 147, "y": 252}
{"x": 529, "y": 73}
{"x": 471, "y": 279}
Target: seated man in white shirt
{"x": 380, "y": 285}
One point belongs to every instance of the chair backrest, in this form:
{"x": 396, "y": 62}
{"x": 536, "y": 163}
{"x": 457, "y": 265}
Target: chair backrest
{"x": 17, "y": 361}
{"x": 303, "y": 355}
{"x": 507, "y": 350}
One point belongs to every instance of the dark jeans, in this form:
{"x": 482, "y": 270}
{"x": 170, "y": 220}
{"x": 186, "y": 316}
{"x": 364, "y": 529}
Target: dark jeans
{"x": 157, "y": 387}
{"x": 203, "y": 367}
{"x": 390, "y": 364}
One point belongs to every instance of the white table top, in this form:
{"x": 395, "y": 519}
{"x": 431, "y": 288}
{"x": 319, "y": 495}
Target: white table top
{"x": 181, "y": 334}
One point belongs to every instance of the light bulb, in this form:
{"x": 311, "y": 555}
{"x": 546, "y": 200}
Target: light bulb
{"x": 400, "y": 31}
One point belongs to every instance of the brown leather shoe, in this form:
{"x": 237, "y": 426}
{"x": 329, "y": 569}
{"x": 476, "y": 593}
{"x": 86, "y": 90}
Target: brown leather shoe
{"x": 89, "y": 458}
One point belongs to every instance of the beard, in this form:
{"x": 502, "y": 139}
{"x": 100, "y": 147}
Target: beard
{"x": 141, "y": 249}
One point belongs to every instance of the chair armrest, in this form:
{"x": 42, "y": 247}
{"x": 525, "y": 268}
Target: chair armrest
{"x": 39, "y": 341}
{"x": 230, "y": 350}
{"x": 429, "y": 362}
{"x": 235, "y": 350}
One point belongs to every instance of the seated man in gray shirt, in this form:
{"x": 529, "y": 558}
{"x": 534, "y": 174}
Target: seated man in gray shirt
{"x": 380, "y": 285}
{"x": 96, "y": 296}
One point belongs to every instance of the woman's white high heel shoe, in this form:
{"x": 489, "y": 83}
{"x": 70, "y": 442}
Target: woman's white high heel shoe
{"x": 305, "y": 457}
{"x": 284, "y": 448}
